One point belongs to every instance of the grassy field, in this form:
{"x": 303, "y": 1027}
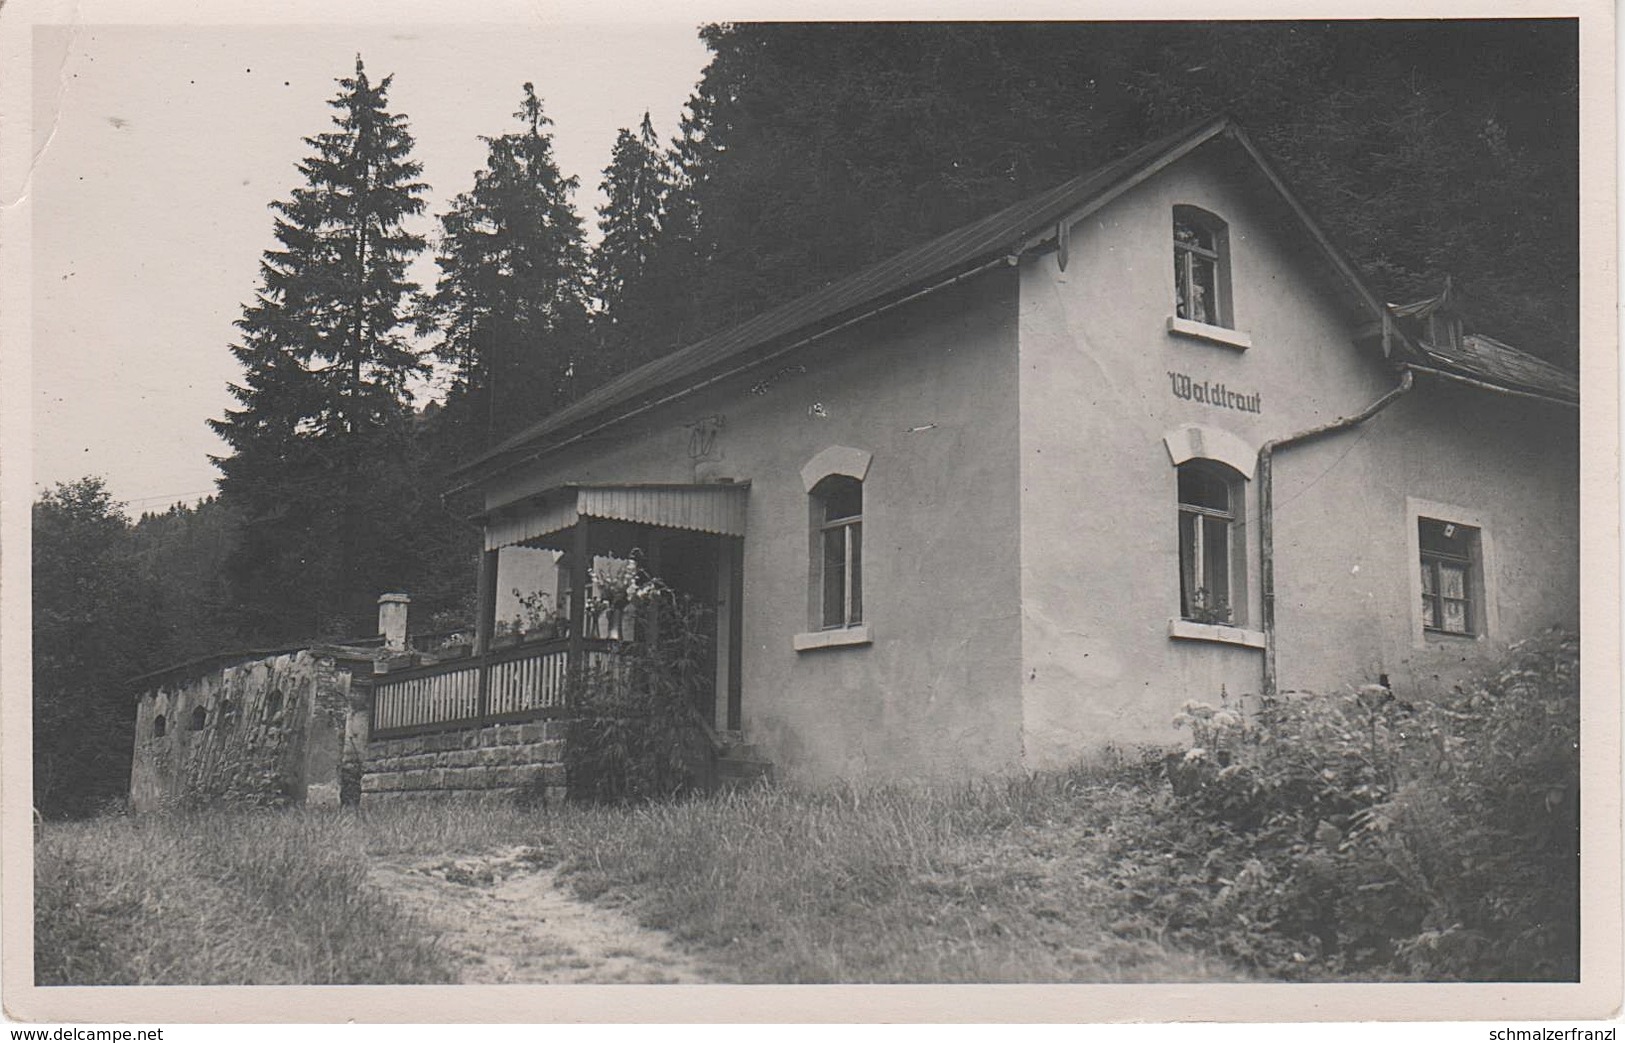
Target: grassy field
{"x": 1000, "y": 881}
{"x": 218, "y": 898}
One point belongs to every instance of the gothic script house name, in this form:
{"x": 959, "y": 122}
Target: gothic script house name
{"x": 1214, "y": 394}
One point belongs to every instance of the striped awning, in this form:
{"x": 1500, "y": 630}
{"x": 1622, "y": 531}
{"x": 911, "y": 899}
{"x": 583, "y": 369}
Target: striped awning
{"x": 717, "y": 508}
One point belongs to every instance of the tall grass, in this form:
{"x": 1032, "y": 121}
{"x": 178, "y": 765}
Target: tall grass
{"x": 261, "y": 898}
{"x": 999, "y": 881}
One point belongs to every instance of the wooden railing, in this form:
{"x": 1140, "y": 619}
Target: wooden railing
{"x": 522, "y": 682}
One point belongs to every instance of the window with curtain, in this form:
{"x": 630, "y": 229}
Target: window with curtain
{"x": 1449, "y": 576}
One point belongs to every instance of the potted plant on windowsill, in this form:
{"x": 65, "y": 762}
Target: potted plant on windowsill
{"x": 1205, "y": 608}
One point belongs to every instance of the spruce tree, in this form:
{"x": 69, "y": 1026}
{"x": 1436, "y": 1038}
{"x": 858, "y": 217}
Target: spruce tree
{"x": 511, "y": 300}
{"x": 637, "y": 184}
{"x": 1425, "y": 149}
{"x": 327, "y": 360}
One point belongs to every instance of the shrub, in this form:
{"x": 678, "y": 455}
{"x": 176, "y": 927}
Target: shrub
{"x": 1359, "y": 834}
{"x": 639, "y": 733}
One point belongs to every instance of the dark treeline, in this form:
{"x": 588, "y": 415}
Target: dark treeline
{"x": 1428, "y": 149}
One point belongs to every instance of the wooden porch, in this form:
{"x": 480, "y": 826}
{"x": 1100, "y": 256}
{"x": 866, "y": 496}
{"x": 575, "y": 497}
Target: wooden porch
{"x": 689, "y": 536}
{"x": 525, "y": 682}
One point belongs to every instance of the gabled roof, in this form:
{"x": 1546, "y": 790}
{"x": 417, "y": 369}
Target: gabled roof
{"x": 965, "y": 251}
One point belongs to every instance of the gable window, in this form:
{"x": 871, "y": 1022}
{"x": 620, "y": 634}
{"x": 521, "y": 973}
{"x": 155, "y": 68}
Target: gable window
{"x": 1201, "y": 268}
{"x": 838, "y": 506}
{"x": 1210, "y": 551}
{"x": 1449, "y": 560}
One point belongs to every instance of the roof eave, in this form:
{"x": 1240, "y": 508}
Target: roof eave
{"x": 1041, "y": 232}
{"x": 611, "y": 413}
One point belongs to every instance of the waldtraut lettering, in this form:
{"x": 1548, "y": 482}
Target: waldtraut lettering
{"x": 1215, "y": 394}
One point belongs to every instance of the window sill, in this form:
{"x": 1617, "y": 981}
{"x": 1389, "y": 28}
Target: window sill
{"x": 845, "y": 637}
{"x": 1212, "y": 334}
{"x": 1448, "y": 635}
{"x": 1186, "y": 630}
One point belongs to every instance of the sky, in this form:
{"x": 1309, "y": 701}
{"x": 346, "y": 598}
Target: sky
{"x": 157, "y": 149}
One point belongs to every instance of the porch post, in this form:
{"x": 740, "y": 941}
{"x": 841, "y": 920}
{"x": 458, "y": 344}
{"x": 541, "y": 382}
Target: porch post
{"x": 485, "y": 619}
{"x": 651, "y": 551}
{"x": 580, "y": 564}
{"x": 734, "y": 548}
{"x": 485, "y": 629}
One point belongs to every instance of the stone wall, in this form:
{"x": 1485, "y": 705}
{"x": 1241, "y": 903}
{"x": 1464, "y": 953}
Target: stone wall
{"x": 499, "y": 759}
{"x": 265, "y": 731}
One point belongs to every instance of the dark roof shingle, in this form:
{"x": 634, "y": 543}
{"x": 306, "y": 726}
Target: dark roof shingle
{"x": 1484, "y": 358}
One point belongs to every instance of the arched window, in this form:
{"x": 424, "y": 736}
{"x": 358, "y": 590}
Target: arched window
{"x": 1212, "y": 553}
{"x": 159, "y": 726}
{"x": 200, "y": 718}
{"x": 1201, "y": 267}
{"x": 838, "y": 546}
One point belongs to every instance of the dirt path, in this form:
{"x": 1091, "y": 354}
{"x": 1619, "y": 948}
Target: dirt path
{"x": 506, "y": 918}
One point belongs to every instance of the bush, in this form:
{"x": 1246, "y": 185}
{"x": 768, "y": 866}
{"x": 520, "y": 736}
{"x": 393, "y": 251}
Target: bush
{"x": 639, "y": 734}
{"x": 1357, "y": 834}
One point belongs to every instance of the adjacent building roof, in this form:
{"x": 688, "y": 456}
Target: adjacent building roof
{"x": 1477, "y": 357}
{"x": 970, "y": 249}
{"x": 1483, "y": 358}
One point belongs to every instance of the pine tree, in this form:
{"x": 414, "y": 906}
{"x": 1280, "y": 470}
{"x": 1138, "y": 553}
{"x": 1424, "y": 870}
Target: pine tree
{"x": 327, "y": 360}
{"x": 511, "y": 299}
{"x": 637, "y": 184}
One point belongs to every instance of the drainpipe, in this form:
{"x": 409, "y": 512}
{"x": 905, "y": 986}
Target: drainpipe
{"x": 1266, "y": 509}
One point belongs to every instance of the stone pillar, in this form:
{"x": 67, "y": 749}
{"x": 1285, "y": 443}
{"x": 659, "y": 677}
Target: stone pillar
{"x": 392, "y": 620}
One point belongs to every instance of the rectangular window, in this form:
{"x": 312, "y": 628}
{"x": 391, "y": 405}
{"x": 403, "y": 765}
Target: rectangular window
{"x": 1450, "y": 554}
{"x": 843, "y": 573}
{"x": 1205, "y": 573}
{"x": 841, "y": 552}
{"x": 1207, "y": 519}
{"x": 1201, "y": 283}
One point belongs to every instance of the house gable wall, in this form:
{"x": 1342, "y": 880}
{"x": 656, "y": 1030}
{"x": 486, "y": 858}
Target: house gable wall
{"x": 1104, "y": 405}
{"x": 929, "y": 391}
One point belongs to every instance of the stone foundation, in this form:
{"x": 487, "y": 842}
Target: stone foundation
{"x": 498, "y": 759}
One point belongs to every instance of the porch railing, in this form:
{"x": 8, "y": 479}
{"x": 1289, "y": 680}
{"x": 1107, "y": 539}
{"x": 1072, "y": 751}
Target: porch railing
{"x": 523, "y": 682}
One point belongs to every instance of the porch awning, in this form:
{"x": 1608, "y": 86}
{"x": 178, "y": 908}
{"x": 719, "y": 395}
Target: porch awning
{"x": 717, "y": 508}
